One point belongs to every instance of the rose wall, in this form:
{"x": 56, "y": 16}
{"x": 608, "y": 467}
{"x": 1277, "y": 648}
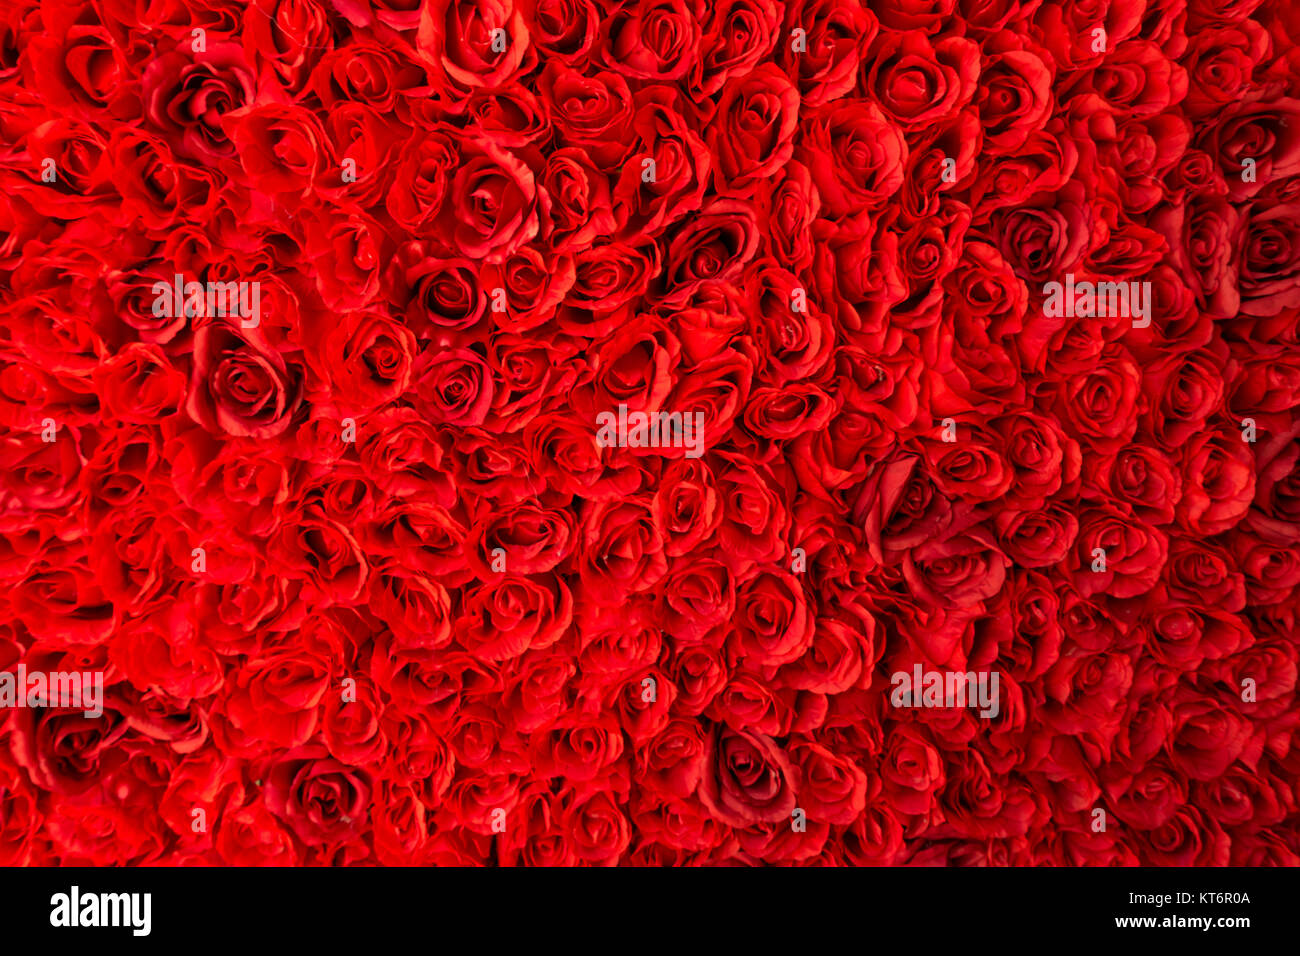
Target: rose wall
{"x": 362, "y": 586}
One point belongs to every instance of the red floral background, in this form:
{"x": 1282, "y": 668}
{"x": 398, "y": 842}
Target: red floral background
{"x": 364, "y": 588}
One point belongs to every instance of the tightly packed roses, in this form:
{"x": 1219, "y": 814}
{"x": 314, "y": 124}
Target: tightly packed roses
{"x": 363, "y": 585}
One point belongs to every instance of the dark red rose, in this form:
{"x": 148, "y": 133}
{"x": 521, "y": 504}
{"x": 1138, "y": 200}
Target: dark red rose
{"x": 455, "y": 387}
{"x": 319, "y": 799}
{"x": 455, "y": 37}
{"x": 756, "y": 120}
{"x": 282, "y": 149}
{"x": 747, "y": 780}
{"x": 239, "y": 386}
{"x": 656, "y": 40}
{"x": 856, "y": 156}
{"x": 1132, "y": 554}
{"x": 187, "y": 92}
{"x": 822, "y": 44}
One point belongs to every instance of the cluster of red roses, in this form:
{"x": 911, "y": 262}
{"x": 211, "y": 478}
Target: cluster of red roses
{"x": 364, "y": 587}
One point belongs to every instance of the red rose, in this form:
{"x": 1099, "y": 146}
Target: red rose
{"x": 747, "y": 780}
{"x": 188, "y": 91}
{"x": 455, "y": 38}
{"x": 320, "y": 800}
{"x": 239, "y": 386}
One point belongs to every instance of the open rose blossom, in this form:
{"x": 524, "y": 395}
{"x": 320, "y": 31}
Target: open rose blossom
{"x": 649, "y": 432}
